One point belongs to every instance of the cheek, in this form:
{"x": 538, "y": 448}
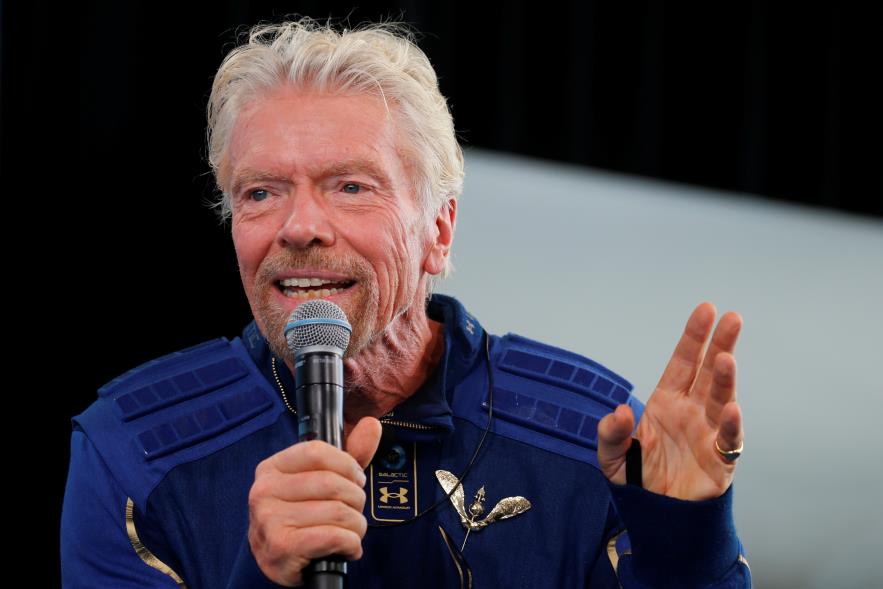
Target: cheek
{"x": 389, "y": 246}
{"x": 247, "y": 244}
{"x": 410, "y": 251}
{"x": 408, "y": 248}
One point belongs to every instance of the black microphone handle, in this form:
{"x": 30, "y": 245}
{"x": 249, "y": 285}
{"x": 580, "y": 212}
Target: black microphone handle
{"x": 319, "y": 397}
{"x": 320, "y": 413}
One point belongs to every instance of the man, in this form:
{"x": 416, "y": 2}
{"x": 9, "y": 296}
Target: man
{"x": 338, "y": 164}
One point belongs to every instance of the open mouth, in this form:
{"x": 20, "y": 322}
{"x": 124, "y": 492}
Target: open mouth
{"x": 311, "y": 288}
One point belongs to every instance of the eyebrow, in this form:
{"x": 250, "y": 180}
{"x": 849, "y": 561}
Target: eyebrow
{"x": 249, "y": 175}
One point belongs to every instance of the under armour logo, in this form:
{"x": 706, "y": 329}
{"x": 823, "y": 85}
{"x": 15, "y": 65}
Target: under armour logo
{"x": 470, "y": 327}
{"x": 402, "y": 495}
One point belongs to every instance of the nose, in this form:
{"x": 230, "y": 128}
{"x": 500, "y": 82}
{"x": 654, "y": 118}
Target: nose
{"x": 306, "y": 223}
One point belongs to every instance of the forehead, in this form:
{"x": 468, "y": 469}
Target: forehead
{"x": 297, "y": 131}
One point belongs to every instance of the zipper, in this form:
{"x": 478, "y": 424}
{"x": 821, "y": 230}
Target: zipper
{"x": 406, "y": 424}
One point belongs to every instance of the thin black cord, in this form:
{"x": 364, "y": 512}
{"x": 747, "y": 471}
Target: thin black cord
{"x": 461, "y": 478}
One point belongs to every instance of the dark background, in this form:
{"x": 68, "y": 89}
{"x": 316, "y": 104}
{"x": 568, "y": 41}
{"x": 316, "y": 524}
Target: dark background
{"x": 102, "y": 125}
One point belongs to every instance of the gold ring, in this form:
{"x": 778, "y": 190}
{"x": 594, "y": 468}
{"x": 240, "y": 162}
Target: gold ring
{"x": 731, "y": 455}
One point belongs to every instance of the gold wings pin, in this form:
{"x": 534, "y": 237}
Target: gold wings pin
{"x": 504, "y": 509}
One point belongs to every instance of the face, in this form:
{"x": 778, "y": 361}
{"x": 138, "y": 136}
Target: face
{"x": 324, "y": 207}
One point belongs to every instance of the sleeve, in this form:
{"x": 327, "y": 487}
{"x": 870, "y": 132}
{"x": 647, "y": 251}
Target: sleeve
{"x": 98, "y": 546}
{"x": 663, "y": 542}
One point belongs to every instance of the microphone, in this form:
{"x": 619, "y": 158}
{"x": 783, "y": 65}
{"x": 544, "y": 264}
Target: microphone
{"x": 318, "y": 334}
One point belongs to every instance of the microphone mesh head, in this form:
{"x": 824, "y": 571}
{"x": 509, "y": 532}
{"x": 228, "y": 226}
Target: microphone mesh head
{"x": 317, "y": 323}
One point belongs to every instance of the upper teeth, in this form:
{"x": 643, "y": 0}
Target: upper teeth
{"x": 303, "y": 282}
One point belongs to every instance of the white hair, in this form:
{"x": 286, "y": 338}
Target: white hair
{"x": 379, "y": 59}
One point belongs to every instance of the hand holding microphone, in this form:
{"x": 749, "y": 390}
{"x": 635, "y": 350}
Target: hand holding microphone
{"x": 306, "y": 502}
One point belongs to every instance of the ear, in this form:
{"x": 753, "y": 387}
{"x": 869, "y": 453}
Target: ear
{"x": 436, "y": 257}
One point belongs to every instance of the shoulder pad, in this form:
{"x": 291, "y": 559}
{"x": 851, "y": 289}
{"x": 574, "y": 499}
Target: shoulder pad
{"x": 545, "y": 396}
{"x": 176, "y": 409}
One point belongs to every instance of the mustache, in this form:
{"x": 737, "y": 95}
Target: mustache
{"x": 314, "y": 259}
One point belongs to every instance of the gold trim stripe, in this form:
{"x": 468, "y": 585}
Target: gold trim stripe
{"x": 465, "y": 581}
{"x": 611, "y": 551}
{"x": 142, "y": 551}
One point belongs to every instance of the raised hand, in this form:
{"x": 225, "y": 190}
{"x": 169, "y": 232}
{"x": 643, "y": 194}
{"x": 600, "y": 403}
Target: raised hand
{"x": 306, "y": 502}
{"x": 691, "y": 424}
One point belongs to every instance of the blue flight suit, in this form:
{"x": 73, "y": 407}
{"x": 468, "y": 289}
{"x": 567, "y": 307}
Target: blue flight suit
{"x": 162, "y": 463}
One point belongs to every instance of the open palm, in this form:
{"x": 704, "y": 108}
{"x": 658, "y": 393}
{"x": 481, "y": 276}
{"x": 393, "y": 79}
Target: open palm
{"x": 692, "y": 409}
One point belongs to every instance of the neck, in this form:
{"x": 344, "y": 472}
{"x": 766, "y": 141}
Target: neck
{"x": 394, "y": 366}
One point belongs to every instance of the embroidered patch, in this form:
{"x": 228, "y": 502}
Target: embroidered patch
{"x": 393, "y": 480}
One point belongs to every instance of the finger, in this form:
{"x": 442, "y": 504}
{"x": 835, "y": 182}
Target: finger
{"x": 687, "y": 357}
{"x": 307, "y": 514}
{"x": 614, "y": 440}
{"x": 315, "y": 485}
{"x": 363, "y": 440}
{"x": 730, "y": 435}
{"x": 320, "y": 541}
{"x": 724, "y": 340}
{"x": 723, "y": 387}
{"x": 282, "y": 552}
{"x": 315, "y": 455}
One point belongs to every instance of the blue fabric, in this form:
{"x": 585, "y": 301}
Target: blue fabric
{"x": 95, "y": 547}
{"x": 663, "y": 530}
{"x": 191, "y": 502}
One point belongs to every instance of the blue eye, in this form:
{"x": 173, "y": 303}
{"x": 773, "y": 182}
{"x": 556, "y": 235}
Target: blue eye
{"x": 255, "y": 192}
{"x": 352, "y": 188}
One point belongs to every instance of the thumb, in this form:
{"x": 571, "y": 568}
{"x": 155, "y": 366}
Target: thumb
{"x": 363, "y": 440}
{"x": 614, "y": 440}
